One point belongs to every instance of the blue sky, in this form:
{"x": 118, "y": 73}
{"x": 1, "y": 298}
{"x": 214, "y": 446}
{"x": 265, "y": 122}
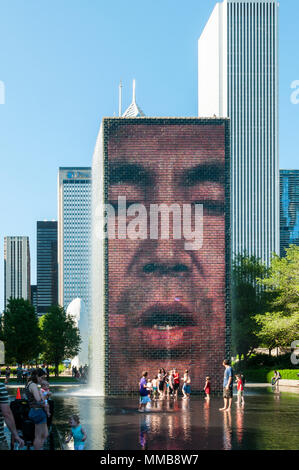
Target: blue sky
{"x": 61, "y": 62}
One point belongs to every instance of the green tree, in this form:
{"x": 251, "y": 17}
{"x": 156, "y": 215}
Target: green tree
{"x": 60, "y": 336}
{"x": 279, "y": 327}
{"x": 20, "y": 332}
{"x": 248, "y": 300}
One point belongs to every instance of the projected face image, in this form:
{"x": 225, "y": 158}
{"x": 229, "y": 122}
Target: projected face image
{"x": 166, "y": 302}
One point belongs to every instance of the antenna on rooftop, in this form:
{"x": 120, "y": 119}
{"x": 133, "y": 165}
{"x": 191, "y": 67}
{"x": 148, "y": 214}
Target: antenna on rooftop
{"x": 134, "y": 91}
{"x": 120, "y": 98}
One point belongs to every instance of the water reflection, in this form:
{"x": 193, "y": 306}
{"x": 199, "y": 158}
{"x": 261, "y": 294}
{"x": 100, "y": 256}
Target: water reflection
{"x": 144, "y": 430}
{"x": 239, "y": 424}
{"x": 268, "y": 421}
{"x": 227, "y": 430}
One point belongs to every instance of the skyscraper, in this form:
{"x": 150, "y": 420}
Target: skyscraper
{"x": 74, "y": 218}
{"x": 289, "y": 209}
{"x": 33, "y": 289}
{"x": 16, "y": 268}
{"x": 238, "y": 78}
{"x": 46, "y": 259}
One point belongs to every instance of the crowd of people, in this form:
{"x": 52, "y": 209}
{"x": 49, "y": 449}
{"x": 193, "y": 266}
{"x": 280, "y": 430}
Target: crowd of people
{"x": 80, "y": 373}
{"x": 37, "y": 393}
{"x": 166, "y": 385}
{"x": 163, "y": 385}
{"x": 23, "y": 372}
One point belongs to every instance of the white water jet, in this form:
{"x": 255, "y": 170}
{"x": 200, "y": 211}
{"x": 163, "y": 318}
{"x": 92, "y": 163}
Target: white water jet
{"x": 77, "y": 310}
{"x": 97, "y": 315}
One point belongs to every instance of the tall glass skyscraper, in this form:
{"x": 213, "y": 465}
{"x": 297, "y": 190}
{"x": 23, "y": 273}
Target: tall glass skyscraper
{"x": 46, "y": 258}
{"x": 74, "y": 227}
{"x": 289, "y": 209}
{"x": 238, "y": 78}
{"x": 16, "y": 268}
{"x": 33, "y": 289}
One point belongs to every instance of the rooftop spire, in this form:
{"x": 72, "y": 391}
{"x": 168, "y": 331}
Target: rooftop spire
{"x": 133, "y": 110}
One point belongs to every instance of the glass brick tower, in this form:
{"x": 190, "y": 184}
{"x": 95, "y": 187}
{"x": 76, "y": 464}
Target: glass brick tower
{"x": 74, "y": 218}
{"x": 238, "y": 78}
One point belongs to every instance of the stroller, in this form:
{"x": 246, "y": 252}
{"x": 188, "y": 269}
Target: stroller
{"x": 20, "y": 410}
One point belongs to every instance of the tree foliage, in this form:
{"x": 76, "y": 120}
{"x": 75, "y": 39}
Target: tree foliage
{"x": 279, "y": 327}
{"x": 20, "y": 332}
{"x": 248, "y": 300}
{"x": 61, "y": 337}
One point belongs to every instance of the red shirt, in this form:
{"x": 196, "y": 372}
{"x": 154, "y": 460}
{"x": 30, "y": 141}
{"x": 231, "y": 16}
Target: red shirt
{"x": 240, "y": 385}
{"x": 176, "y": 378}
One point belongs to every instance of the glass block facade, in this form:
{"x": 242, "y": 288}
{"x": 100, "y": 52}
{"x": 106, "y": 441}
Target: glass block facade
{"x": 289, "y": 209}
{"x": 47, "y": 271}
{"x": 166, "y": 305}
{"x": 74, "y": 218}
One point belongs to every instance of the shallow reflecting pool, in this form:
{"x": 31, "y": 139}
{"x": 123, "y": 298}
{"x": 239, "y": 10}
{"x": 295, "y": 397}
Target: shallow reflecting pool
{"x": 268, "y": 421}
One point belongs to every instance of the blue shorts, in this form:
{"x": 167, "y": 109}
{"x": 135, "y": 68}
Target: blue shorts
{"x": 187, "y": 388}
{"x": 37, "y": 415}
{"x": 145, "y": 400}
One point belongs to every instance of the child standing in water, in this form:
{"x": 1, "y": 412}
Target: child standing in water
{"x": 77, "y": 433}
{"x": 176, "y": 383}
{"x": 240, "y": 388}
{"x": 186, "y": 385}
{"x": 155, "y": 387}
{"x": 143, "y": 392}
{"x": 207, "y": 388}
{"x": 149, "y": 387}
{"x": 171, "y": 383}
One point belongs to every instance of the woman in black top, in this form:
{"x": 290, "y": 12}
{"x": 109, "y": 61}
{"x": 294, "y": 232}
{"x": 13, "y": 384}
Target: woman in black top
{"x": 37, "y": 411}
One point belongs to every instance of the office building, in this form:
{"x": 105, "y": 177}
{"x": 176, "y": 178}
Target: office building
{"x": 33, "y": 289}
{"x": 16, "y": 268}
{"x": 289, "y": 209}
{"x": 74, "y": 218}
{"x": 238, "y": 78}
{"x": 46, "y": 260}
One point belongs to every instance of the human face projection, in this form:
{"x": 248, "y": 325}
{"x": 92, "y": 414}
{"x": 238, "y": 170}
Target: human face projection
{"x": 166, "y": 248}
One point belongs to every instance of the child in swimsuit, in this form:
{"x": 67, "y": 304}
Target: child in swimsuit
{"x": 155, "y": 387}
{"x": 207, "y": 388}
{"x": 77, "y": 433}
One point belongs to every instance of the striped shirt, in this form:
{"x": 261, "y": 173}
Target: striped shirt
{"x": 3, "y": 399}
